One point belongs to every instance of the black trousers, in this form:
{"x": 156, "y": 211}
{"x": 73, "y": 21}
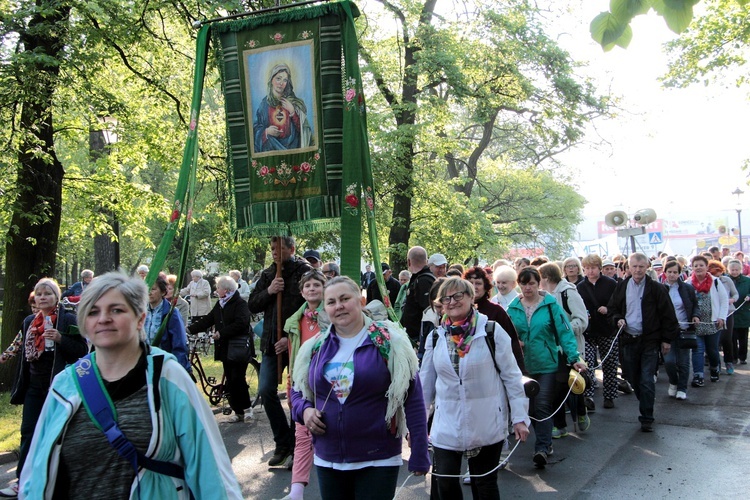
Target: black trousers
{"x": 448, "y": 462}
{"x": 236, "y": 386}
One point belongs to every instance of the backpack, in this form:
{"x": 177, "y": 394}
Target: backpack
{"x": 489, "y": 329}
{"x": 101, "y": 411}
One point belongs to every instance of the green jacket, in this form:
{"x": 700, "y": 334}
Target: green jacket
{"x": 291, "y": 327}
{"x": 742, "y": 314}
{"x": 538, "y": 336}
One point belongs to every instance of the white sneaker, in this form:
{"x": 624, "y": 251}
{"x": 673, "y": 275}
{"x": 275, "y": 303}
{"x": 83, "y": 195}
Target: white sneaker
{"x": 10, "y": 492}
{"x": 467, "y": 478}
{"x": 248, "y": 414}
{"x": 672, "y": 391}
{"x": 237, "y": 418}
{"x": 681, "y": 395}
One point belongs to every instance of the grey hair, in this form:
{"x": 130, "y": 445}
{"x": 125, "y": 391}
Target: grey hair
{"x": 142, "y": 267}
{"x": 334, "y": 268}
{"x": 343, "y": 280}
{"x": 196, "y": 272}
{"x": 227, "y": 283}
{"x": 234, "y": 273}
{"x": 87, "y": 273}
{"x": 639, "y": 256}
{"x": 134, "y": 291}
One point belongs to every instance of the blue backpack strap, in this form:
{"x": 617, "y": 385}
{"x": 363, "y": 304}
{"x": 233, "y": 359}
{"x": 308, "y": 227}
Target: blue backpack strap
{"x": 103, "y": 414}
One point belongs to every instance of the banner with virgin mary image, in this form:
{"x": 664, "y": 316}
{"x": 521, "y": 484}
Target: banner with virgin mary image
{"x": 297, "y": 143}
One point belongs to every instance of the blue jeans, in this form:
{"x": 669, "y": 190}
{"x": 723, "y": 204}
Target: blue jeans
{"x": 639, "y": 365}
{"x": 707, "y": 344}
{"x": 268, "y": 389}
{"x": 370, "y": 483}
{"x": 543, "y": 406}
{"x": 677, "y": 364}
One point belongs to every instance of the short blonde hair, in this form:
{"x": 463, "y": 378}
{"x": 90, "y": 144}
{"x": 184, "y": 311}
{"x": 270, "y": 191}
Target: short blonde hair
{"x": 456, "y": 284}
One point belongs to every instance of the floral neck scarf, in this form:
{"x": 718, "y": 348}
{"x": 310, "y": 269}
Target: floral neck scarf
{"x": 312, "y": 315}
{"x": 461, "y": 332}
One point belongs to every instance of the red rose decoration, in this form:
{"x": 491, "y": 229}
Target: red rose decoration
{"x": 175, "y": 215}
{"x": 352, "y": 200}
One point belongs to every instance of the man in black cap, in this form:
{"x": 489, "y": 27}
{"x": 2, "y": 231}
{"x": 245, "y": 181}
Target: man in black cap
{"x": 391, "y": 283}
{"x": 313, "y": 258}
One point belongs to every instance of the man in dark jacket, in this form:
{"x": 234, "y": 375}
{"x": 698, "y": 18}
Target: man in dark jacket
{"x": 263, "y": 299}
{"x": 418, "y": 292}
{"x": 643, "y": 310}
{"x": 391, "y": 284}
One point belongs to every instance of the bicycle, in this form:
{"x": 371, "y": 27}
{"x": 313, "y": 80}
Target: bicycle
{"x": 215, "y": 391}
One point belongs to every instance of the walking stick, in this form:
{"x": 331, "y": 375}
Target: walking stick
{"x": 279, "y": 366}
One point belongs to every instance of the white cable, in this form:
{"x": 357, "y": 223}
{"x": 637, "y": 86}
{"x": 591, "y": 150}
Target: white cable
{"x": 500, "y": 465}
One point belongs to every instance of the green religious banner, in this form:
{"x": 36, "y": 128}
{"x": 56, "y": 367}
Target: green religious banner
{"x": 297, "y": 154}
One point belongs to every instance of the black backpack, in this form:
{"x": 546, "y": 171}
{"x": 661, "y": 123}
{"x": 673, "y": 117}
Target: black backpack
{"x": 489, "y": 329}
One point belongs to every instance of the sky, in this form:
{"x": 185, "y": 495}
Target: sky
{"x": 669, "y": 147}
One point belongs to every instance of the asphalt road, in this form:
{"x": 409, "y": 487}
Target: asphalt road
{"x": 700, "y": 448}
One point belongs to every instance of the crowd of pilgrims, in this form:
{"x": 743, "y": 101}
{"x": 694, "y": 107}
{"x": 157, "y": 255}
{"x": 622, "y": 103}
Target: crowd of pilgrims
{"x": 420, "y": 360}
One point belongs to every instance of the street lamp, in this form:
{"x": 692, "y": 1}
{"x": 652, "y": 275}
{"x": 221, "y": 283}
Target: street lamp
{"x": 738, "y": 192}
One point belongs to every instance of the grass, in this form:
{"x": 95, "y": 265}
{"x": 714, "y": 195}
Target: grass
{"x": 10, "y": 424}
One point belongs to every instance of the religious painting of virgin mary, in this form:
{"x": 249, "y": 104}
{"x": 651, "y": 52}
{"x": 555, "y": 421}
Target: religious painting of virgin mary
{"x": 284, "y": 115}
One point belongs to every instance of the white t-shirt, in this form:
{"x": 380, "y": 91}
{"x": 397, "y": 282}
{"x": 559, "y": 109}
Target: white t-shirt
{"x": 339, "y": 371}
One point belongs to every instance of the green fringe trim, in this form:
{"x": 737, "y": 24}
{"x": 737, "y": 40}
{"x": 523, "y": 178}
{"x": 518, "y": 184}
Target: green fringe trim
{"x": 287, "y": 229}
{"x": 285, "y": 16}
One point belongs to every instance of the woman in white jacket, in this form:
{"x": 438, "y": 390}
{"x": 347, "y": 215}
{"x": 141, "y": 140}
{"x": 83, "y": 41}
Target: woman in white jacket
{"x": 570, "y": 301}
{"x": 472, "y": 393}
{"x": 713, "y": 306}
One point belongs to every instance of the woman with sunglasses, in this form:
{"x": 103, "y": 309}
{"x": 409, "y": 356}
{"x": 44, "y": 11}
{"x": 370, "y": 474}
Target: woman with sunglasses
{"x": 461, "y": 377}
{"x": 544, "y": 331}
{"x": 301, "y": 326}
{"x": 355, "y": 389}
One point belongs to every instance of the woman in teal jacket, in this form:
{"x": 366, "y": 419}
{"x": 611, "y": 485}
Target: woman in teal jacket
{"x": 543, "y": 329}
{"x": 155, "y": 404}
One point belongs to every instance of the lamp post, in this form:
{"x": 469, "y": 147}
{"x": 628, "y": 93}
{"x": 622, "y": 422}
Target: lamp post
{"x": 738, "y": 192}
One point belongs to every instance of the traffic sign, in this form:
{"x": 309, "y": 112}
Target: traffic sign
{"x": 654, "y": 238}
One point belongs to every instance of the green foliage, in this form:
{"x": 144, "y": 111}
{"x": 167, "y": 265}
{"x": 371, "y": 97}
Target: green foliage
{"x": 612, "y": 28}
{"x": 715, "y": 46}
{"x": 480, "y": 88}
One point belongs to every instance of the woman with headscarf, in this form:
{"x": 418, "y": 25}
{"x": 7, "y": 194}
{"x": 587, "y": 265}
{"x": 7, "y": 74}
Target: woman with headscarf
{"x": 281, "y": 119}
{"x": 51, "y": 341}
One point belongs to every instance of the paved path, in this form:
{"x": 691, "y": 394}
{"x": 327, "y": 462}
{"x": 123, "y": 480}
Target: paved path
{"x": 700, "y": 449}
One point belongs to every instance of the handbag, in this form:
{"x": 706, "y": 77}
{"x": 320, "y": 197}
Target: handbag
{"x": 563, "y": 367}
{"x": 238, "y": 349}
{"x": 687, "y": 340}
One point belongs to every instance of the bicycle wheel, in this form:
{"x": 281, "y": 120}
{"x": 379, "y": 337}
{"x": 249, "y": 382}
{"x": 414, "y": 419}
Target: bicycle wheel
{"x": 253, "y": 381}
{"x": 217, "y": 392}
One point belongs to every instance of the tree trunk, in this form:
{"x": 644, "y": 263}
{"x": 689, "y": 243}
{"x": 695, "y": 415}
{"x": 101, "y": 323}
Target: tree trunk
{"x": 31, "y": 243}
{"x": 104, "y": 254}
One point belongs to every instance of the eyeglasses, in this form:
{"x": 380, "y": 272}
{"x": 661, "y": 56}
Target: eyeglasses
{"x": 571, "y": 266}
{"x": 456, "y": 297}
{"x": 327, "y": 272}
